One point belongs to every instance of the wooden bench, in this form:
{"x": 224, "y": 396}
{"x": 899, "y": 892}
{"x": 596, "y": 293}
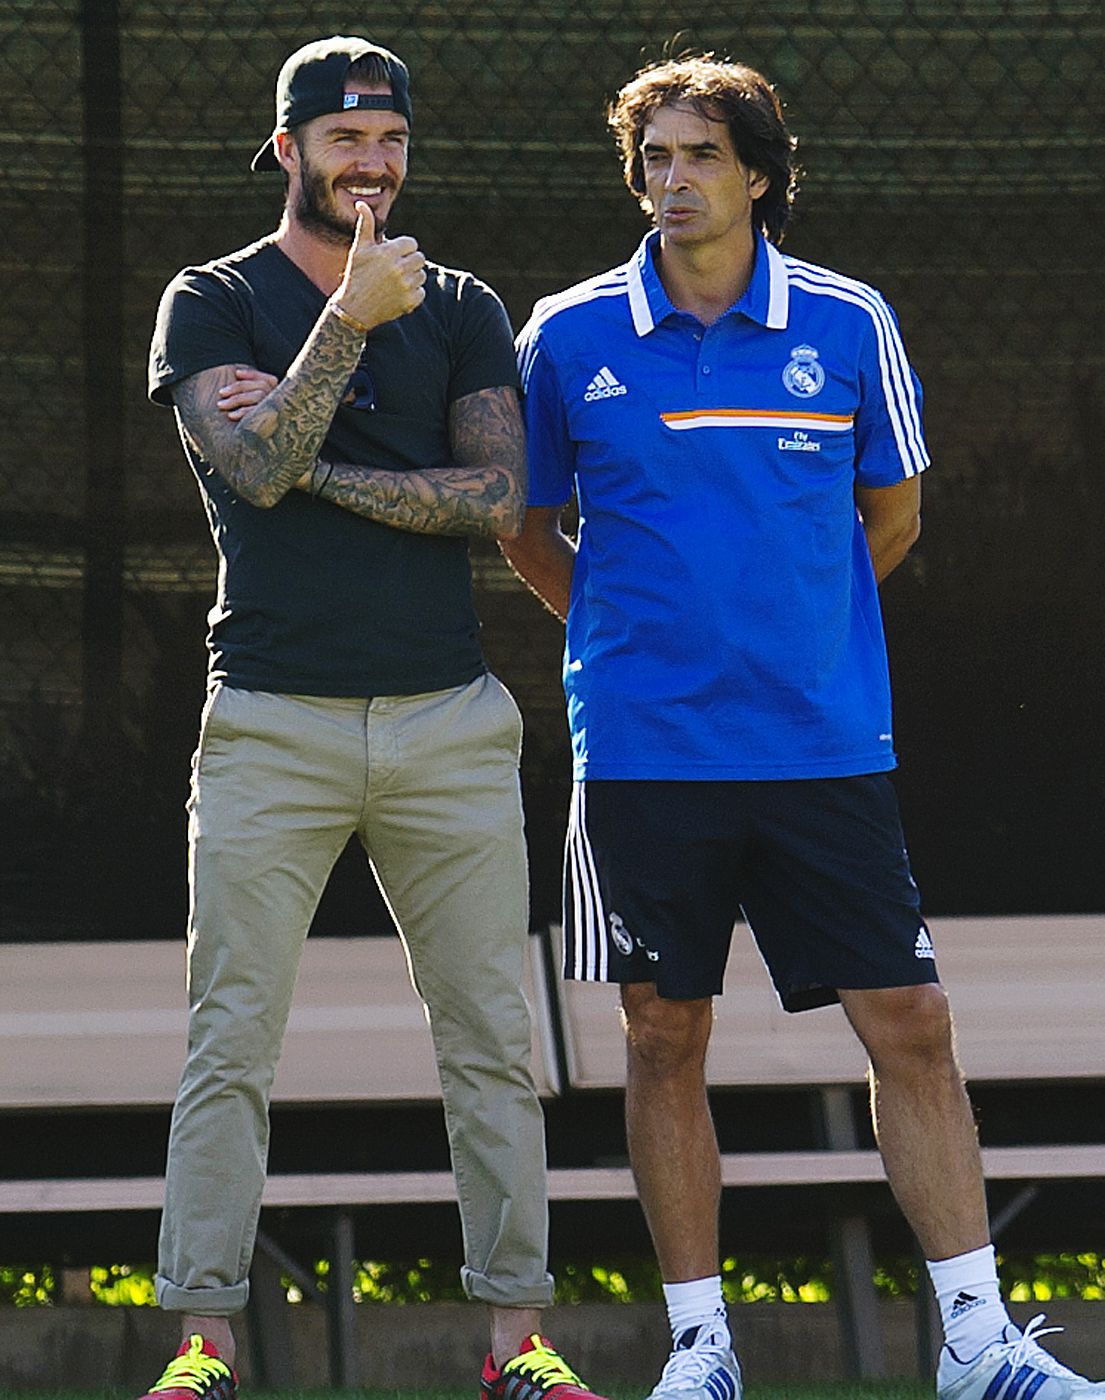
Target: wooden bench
{"x": 103, "y": 1025}
{"x": 1026, "y": 993}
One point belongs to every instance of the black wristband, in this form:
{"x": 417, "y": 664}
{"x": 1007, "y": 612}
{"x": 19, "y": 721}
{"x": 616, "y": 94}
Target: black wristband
{"x": 317, "y": 491}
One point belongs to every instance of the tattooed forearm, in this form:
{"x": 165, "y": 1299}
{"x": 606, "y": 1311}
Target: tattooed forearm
{"x": 441, "y": 501}
{"x": 486, "y": 431}
{"x": 481, "y": 493}
{"x": 264, "y": 454}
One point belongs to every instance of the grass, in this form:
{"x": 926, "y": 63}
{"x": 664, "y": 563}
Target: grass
{"x": 838, "y": 1390}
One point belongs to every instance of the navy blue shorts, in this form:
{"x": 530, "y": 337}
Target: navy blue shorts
{"x": 657, "y": 873}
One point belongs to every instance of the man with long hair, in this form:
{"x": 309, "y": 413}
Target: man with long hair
{"x": 742, "y": 433}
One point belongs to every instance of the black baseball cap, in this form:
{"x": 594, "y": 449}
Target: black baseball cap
{"x": 312, "y": 84}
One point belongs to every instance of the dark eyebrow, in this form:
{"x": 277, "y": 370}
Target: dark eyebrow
{"x": 358, "y": 131}
{"x": 695, "y": 147}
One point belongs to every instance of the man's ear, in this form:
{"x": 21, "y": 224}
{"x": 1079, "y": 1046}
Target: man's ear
{"x": 287, "y": 152}
{"x": 758, "y": 183}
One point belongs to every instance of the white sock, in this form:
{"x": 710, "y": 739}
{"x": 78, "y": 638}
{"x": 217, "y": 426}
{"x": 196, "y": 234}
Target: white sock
{"x": 970, "y": 1302}
{"x": 691, "y": 1304}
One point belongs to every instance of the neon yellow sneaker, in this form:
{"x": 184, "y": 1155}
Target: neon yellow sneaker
{"x": 196, "y": 1372}
{"x": 536, "y": 1373}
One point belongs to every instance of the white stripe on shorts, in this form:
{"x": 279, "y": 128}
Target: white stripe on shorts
{"x": 585, "y": 950}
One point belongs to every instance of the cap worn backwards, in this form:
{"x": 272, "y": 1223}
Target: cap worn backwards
{"x": 312, "y": 84}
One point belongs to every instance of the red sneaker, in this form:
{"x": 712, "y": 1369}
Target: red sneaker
{"x": 196, "y": 1372}
{"x": 536, "y": 1373}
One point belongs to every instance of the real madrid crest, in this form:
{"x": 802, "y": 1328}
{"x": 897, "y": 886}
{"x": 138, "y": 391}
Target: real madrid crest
{"x": 620, "y": 934}
{"x": 802, "y": 375}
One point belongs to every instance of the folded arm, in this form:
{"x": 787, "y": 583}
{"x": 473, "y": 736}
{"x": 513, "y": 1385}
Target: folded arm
{"x": 262, "y": 452}
{"x": 264, "y": 449}
{"x": 481, "y": 492}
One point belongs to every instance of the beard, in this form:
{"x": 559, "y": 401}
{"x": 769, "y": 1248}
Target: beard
{"x": 316, "y": 208}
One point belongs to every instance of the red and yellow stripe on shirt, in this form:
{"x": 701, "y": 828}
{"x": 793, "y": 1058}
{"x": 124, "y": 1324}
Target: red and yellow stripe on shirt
{"x": 757, "y": 418}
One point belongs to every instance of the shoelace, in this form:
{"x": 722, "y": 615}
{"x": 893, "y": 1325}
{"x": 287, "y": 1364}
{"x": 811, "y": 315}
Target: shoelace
{"x": 543, "y": 1364}
{"x": 193, "y": 1370}
{"x": 1028, "y": 1349}
{"x": 690, "y": 1366}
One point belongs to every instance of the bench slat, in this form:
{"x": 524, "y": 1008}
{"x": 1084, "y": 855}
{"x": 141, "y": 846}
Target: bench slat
{"x": 103, "y": 1025}
{"x": 565, "y": 1183}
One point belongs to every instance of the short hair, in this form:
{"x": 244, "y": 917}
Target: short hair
{"x": 719, "y": 91}
{"x": 368, "y": 69}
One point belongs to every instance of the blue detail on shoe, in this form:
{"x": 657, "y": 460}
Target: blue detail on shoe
{"x": 1014, "y": 1367}
{"x": 702, "y": 1365}
{"x": 721, "y": 1385}
{"x": 993, "y": 1390}
{"x": 1014, "y": 1387}
{"x": 1033, "y": 1386}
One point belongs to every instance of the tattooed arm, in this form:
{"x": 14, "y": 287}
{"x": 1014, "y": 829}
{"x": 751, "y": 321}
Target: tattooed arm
{"x": 482, "y": 492}
{"x": 264, "y": 453}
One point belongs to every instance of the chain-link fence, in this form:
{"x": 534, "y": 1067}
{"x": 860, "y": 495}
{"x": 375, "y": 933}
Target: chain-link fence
{"x": 955, "y": 156}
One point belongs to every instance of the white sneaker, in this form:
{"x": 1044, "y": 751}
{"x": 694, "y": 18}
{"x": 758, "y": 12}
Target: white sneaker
{"x": 702, "y": 1366}
{"x": 1016, "y": 1368}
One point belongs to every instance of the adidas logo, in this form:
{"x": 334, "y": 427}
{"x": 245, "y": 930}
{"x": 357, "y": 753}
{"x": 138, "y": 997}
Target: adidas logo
{"x": 964, "y": 1303}
{"x": 603, "y": 386}
{"x": 923, "y": 947}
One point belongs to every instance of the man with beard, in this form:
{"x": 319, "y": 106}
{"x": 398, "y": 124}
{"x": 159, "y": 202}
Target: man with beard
{"x": 349, "y": 411}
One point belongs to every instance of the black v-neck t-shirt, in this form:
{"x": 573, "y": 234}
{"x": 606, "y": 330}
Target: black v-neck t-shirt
{"x": 313, "y": 599}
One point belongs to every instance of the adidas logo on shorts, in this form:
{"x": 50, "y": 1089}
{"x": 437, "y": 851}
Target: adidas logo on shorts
{"x": 923, "y": 947}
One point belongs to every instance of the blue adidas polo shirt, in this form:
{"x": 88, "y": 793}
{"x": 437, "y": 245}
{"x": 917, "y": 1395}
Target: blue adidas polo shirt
{"x": 724, "y": 619}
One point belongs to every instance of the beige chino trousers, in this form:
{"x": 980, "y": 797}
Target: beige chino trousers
{"x": 429, "y": 783}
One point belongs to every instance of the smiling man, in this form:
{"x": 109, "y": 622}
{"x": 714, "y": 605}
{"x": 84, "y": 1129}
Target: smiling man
{"x": 742, "y": 433}
{"x": 350, "y": 413}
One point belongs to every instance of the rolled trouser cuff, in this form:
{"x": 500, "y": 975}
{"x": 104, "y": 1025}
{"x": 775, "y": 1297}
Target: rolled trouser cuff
{"x": 502, "y": 1293}
{"x": 201, "y": 1302}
